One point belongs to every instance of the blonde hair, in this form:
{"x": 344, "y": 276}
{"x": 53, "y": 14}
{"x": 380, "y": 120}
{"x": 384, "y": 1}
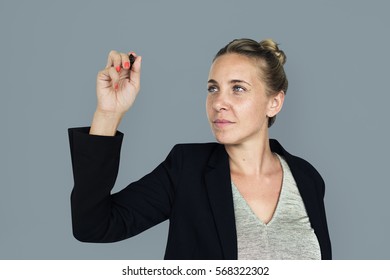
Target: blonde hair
{"x": 270, "y": 60}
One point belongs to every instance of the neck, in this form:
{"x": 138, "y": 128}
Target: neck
{"x": 251, "y": 158}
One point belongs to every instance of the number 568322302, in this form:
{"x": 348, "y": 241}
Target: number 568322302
{"x": 256, "y": 270}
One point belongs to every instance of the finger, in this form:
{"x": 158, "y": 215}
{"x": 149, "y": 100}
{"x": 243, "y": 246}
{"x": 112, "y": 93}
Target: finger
{"x": 114, "y": 60}
{"x": 104, "y": 79}
{"x": 125, "y": 61}
{"x": 113, "y": 73}
{"x": 108, "y": 77}
{"x": 135, "y": 74}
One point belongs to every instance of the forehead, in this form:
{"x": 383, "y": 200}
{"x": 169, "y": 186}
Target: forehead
{"x": 233, "y": 66}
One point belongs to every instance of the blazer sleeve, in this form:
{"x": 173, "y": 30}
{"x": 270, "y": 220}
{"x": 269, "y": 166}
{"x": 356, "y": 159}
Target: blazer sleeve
{"x": 98, "y": 215}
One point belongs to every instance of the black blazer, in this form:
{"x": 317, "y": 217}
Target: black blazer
{"x": 191, "y": 188}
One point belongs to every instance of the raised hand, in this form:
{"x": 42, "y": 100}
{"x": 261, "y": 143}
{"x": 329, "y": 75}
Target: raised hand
{"x": 117, "y": 87}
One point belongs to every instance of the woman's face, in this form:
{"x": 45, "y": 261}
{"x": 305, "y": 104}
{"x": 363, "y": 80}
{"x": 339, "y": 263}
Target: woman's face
{"x": 237, "y": 104}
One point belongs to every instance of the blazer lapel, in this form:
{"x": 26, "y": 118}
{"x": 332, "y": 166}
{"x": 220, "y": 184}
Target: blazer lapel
{"x": 218, "y": 183}
{"x": 310, "y": 196}
{"x": 304, "y": 182}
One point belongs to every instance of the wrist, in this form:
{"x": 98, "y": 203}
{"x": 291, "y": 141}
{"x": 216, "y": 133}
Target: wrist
{"x": 105, "y": 123}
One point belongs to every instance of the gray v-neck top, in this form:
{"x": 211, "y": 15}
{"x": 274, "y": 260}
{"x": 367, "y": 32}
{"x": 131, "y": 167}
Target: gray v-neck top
{"x": 288, "y": 235}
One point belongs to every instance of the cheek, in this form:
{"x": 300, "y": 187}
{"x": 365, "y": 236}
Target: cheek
{"x": 208, "y": 106}
{"x": 253, "y": 110}
{"x": 249, "y": 107}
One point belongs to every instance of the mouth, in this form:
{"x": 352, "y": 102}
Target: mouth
{"x": 220, "y": 123}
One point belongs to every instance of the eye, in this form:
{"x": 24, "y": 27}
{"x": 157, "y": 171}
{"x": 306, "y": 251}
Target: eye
{"x": 238, "y": 88}
{"x": 212, "y": 89}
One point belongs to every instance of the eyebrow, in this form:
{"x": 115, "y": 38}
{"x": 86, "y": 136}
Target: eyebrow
{"x": 235, "y": 81}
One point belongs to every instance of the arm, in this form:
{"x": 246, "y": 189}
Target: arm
{"x": 98, "y": 216}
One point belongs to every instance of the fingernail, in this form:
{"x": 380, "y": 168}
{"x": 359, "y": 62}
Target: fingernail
{"x": 118, "y": 68}
{"x": 127, "y": 65}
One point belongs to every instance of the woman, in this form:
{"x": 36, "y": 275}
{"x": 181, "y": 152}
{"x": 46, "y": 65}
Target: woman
{"x": 244, "y": 197}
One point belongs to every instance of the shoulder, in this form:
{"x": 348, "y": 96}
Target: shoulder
{"x": 194, "y": 151}
{"x": 299, "y": 166}
{"x": 191, "y": 159}
{"x": 196, "y": 147}
{"x": 290, "y": 158}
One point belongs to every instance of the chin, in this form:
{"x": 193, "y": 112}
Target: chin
{"x": 225, "y": 140}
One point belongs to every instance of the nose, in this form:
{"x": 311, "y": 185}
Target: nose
{"x": 220, "y": 102}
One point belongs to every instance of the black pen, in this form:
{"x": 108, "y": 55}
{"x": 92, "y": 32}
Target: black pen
{"x": 132, "y": 59}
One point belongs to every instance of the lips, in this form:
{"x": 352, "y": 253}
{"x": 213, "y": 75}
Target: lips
{"x": 222, "y": 123}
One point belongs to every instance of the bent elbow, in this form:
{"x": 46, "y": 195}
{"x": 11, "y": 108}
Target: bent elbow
{"x": 82, "y": 237}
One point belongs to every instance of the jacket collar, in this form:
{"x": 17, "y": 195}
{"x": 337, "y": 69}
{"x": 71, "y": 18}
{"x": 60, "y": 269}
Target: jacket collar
{"x": 310, "y": 194}
{"x": 219, "y": 188}
{"x": 218, "y": 182}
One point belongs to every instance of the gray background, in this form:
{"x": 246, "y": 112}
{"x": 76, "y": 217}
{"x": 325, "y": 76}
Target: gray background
{"x": 335, "y": 115}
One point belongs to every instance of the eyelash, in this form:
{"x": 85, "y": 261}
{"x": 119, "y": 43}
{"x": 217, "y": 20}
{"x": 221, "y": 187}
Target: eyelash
{"x": 242, "y": 89}
{"x": 212, "y": 89}
{"x": 236, "y": 88}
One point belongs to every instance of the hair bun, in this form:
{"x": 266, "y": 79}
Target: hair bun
{"x": 272, "y": 46}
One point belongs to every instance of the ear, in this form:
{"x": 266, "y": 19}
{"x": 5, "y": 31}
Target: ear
{"x": 275, "y": 104}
